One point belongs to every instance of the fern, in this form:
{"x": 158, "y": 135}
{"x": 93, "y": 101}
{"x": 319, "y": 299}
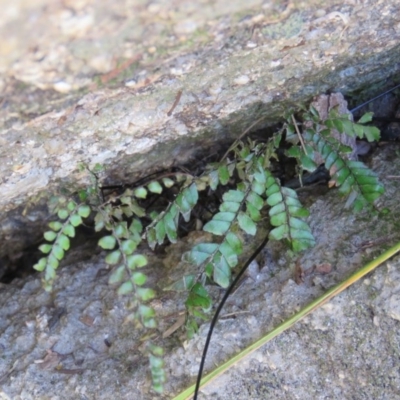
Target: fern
{"x": 59, "y": 234}
{"x": 250, "y": 194}
{"x": 120, "y": 217}
{"x": 353, "y": 178}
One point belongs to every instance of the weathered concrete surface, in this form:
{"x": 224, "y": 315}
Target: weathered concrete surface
{"x": 53, "y": 345}
{"x": 233, "y": 62}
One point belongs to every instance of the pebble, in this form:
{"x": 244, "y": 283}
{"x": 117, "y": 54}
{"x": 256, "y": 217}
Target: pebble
{"x": 241, "y": 80}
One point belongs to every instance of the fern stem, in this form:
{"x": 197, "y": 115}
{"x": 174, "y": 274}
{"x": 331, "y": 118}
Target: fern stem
{"x": 219, "y": 308}
{"x": 299, "y": 135}
{"x": 244, "y": 133}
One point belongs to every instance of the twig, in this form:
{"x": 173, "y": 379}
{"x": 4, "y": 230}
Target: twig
{"x": 374, "y": 98}
{"x": 241, "y": 136}
{"x": 177, "y": 98}
{"x": 299, "y": 135}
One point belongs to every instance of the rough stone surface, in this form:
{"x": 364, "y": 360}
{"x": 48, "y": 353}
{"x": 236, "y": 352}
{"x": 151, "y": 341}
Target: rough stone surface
{"x": 97, "y": 81}
{"x": 54, "y": 346}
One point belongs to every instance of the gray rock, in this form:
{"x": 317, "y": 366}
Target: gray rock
{"x": 234, "y": 64}
{"x": 75, "y": 343}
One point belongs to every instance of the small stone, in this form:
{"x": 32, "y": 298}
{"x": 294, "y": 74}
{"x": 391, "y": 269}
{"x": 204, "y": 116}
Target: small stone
{"x": 251, "y": 45}
{"x": 241, "y": 80}
{"x": 187, "y": 26}
{"x": 62, "y": 87}
{"x": 393, "y": 307}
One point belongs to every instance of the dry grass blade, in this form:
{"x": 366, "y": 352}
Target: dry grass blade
{"x": 179, "y": 322}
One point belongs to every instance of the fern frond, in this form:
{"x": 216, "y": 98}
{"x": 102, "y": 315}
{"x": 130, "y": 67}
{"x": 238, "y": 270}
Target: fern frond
{"x": 122, "y": 242}
{"x": 59, "y": 234}
{"x": 219, "y": 173}
{"x": 219, "y": 259}
{"x": 351, "y": 177}
{"x": 158, "y": 376}
{"x": 285, "y": 214}
{"x": 166, "y": 224}
{"x": 344, "y": 124}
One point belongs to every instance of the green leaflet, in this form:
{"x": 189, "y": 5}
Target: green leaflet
{"x": 234, "y": 242}
{"x": 220, "y": 223}
{"x": 121, "y": 230}
{"x": 107, "y": 242}
{"x": 128, "y": 246}
{"x": 138, "y": 278}
{"x": 247, "y": 224}
{"x": 183, "y": 284}
{"x": 223, "y": 174}
{"x": 136, "y": 261}
{"x": 76, "y": 220}
{"x": 63, "y": 213}
{"x": 50, "y": 235}
{"x": 186, "y": 200}
{"x": 229, "y": 253}
{"x": 64, "y": 242}
{"x": 222, "y": 271}
{"x": 155, "y": 187}
{"x": 233, "y": 195}
{"x": 84, "y": 211}
{"x": 69, "y": 230}
{"x": 125, "y": 288}
{"x": 55, "y": 225}
{"x": 213, "y": 179}
{"x": 117, "y": 275}
{"x": 171, "y": 224}
{"x": 229, "y": 206}
{"x": 140, "y": 193}
{"x": 113, "y": 257}
{"x": 200, "y": 253}
{"x": 45, "y": 248}
{"x": 217, "y": 227}
{"x": 145, "y": 294}
{"x": 160, "y": 231}
{"x": 198, "y": 297}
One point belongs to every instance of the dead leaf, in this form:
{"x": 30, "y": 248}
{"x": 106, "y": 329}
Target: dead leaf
{"x": 70, "y": 371}
{"x": 50, "y": 361}
{"x": 325, "y": 268}
{"x": 61, "y": 120}
{"x": 116, "y": 71}
{"x": 298, "y": 273}
{"x": 87, "y": 320}
{"x": 180, "y": 321}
